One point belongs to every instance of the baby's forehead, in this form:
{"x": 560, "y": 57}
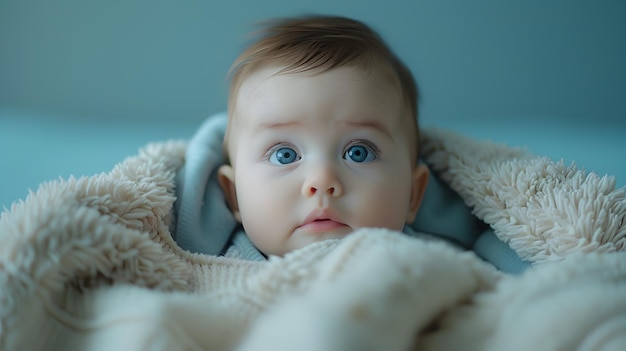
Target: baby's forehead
{"x": 256, "y": 94}
{"x": 272, "y": 81}
{"x": 348, "y": 88}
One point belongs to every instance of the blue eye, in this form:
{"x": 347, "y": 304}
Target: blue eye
{"x": 360, "y": 154}
{"x": 284, "y": 156}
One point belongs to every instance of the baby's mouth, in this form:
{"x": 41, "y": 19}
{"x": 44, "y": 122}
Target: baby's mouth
{"x": 322, "y": 225}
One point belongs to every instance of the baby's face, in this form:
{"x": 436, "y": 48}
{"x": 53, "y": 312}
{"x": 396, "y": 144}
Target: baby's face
{"x": 317, "y": 156}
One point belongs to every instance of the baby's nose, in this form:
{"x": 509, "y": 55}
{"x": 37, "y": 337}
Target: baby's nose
{"x": 322, "y": 181}
{"x": 311, "y": 190}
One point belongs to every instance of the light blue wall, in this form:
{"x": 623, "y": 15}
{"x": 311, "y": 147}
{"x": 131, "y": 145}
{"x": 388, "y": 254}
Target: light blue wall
{"x": 161, "y": 59}
{"x": 507, "y": 70}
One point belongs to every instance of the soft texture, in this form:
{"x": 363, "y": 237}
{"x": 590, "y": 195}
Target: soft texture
{"x": 90, "y": 264}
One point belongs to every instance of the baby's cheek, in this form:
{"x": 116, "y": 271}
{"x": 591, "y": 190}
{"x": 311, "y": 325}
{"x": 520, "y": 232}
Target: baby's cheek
{"x": 264, "y": 216}
{"x": 375, "y": 213}
{"x": 388, "y": 207}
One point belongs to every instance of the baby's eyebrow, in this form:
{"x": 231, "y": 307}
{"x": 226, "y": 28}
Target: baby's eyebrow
{"x": 276, "y": 125}
{"x": 371, "y": 124}
{"x": 376, "y": 125}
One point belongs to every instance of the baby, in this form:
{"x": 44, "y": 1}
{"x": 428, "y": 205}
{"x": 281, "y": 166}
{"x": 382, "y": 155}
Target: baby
{"x": 322, "y": 135}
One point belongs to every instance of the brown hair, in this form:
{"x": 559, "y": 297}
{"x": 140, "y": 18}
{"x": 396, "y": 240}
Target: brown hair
{"x": 321, "y": 43}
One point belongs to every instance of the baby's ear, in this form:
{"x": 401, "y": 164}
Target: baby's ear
{"x": 226, "y": 179}
{"x": 419, "y": 182}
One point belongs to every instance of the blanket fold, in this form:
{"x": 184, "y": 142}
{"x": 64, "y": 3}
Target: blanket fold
{"x": 92, "y": 263}
{"x": 544, "y": 210}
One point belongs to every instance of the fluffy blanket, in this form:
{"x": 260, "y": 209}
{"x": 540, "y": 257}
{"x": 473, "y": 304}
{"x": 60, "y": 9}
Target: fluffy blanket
{"x": 90, "y": 264}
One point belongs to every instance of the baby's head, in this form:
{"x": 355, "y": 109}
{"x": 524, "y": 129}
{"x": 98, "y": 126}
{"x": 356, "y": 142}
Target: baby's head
{"x": 322, "y": 135}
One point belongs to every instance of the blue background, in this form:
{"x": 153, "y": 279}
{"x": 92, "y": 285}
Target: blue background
{"x": 83, "y": 84}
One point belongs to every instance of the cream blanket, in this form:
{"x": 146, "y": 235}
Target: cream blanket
{"x": 89, "y": 264}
